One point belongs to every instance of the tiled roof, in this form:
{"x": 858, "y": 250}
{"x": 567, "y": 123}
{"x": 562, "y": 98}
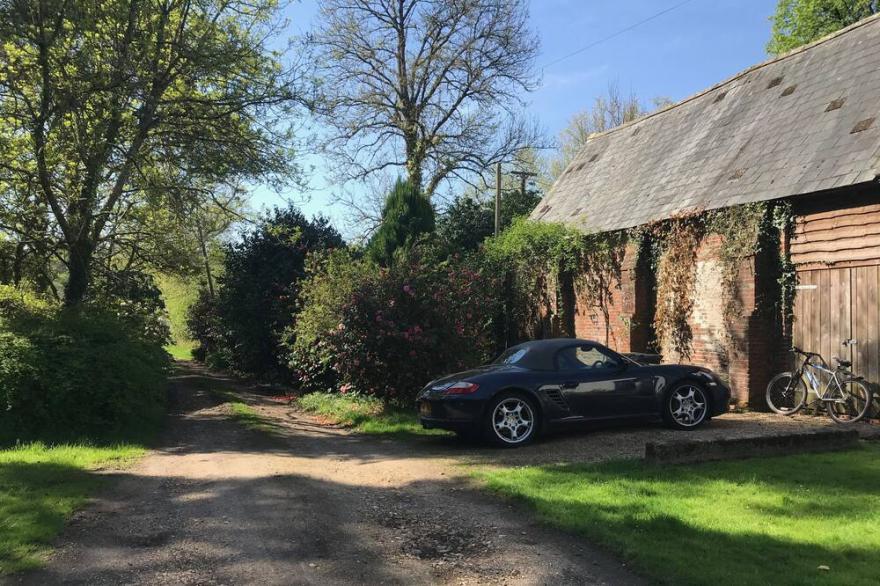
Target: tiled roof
{"x": 804, "y": 122}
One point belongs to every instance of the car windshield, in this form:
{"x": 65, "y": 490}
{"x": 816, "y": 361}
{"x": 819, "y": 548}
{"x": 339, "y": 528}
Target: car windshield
{"x": 511, "y": 356}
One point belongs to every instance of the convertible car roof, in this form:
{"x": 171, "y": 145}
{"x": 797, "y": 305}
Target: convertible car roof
{"x": 541, "y": 352}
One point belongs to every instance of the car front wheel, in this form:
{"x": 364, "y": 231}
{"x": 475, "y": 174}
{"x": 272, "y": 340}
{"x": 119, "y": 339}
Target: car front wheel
{"x": 512, "y": 420}
{"x": 686, "y": 406}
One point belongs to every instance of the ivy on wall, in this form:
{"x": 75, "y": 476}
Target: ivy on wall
{"x": 547, "y": 262}
{"x": 673, "y": 245}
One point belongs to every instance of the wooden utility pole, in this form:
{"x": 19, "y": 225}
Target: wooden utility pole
{"x": 497, "y": 198}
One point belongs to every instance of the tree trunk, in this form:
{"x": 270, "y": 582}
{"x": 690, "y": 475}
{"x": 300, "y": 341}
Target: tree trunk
{"x": 206, "y": 260}
{"x": 413, "y": 162}
{"x": 79, "y": 261}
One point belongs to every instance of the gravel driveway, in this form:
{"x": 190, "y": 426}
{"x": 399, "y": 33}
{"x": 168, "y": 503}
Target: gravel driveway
{"x": 218, "y": 503}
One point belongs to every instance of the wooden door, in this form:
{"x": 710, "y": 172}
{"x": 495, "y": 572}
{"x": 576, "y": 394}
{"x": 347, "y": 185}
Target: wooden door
{"x": 866, "y": 322}
{"x": 832, "y": 305}
{"x": 823, "y": 312}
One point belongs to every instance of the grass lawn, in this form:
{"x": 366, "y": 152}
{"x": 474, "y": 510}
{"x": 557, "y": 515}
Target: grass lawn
{"x": 245, "y": 414}
{"x": 181, "y": 350}
{"x": 364, "y": 414}
{"x": 758, "y": 521}
{"x": 40, "y": 487}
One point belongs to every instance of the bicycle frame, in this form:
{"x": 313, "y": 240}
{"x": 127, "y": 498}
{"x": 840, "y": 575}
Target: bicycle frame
{"x": 813, "y": 384}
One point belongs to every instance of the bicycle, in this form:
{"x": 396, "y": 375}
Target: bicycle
{"x": 846, "y": 397}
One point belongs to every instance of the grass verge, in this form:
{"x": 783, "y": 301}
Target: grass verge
{"x": 363, "y": 414}
{"x": 243, "y": 413}
{"x": 181, "y": 350}
{"x": 758, "y": 521}
{"x": 40, "y": 487}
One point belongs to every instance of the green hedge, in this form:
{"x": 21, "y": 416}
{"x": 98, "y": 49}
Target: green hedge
{"x": 75, "y": 374}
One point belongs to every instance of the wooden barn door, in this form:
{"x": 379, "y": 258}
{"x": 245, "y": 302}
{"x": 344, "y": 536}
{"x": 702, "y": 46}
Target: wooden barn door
{"x": 823, "y": 311}
{"x": 833, "y": 305}
{"x": 866, "y": 322}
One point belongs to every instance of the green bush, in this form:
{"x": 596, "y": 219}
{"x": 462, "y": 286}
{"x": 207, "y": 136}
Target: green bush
{"x": 467, "y": 222}
{"x": 68, "y": 374}
{"x": 241, "y": 326}
{"x": 386, "y": 332}
{"x": 332, "y": 279}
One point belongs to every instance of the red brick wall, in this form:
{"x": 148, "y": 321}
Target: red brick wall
{"x": 623, "y": 317}
{"x": 741, "y": 351}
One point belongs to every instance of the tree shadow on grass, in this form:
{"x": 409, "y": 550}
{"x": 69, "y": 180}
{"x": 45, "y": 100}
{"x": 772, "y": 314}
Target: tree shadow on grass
{"x": 782, "y": 518}
{"x": 35, "y": 501}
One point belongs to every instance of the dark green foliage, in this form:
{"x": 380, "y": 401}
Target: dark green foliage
{"x": 389, "y": 331}
{"x": 466, "y": 223}
{"x": 258, "y": 292}
{"x": 798, "y": 22}
{"x": 68, "y": 374}
{"x": 203, "y": 324}
{"x": 407, "y": 215}
{"x": 134, "y": 297}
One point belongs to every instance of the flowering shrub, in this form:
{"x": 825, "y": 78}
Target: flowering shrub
{"x": 396, "y": 328}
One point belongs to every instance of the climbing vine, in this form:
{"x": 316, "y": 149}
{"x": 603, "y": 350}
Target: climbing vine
{"x": 783, "y": 222}
{"x": 545, "y": 261}
{"x": 599, "y": 270}
{"x": 674, "y": 244}
{"x": 740, "y": 229}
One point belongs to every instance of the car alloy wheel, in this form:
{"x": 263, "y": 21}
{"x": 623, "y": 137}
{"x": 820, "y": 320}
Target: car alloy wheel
{"x": 513, "y": 420}
{"x": 688, "y": 405}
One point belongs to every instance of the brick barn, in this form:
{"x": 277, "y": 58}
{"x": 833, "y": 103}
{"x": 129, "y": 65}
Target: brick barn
{"x": 802, "y": 128}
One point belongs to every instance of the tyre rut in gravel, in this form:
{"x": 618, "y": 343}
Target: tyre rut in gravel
{"x": 221, "y": 504}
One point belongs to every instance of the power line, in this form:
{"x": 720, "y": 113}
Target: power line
{"x": 618, "y": 33}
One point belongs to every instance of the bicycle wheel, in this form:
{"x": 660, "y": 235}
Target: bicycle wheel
{"x": 786, "y": 393}
{"x": 852, "y": 405}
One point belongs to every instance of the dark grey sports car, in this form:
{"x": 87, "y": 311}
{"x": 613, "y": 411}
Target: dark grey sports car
{"x": 546, "y": 384}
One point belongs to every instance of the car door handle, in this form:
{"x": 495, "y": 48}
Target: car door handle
{"x": 569, "y": 385}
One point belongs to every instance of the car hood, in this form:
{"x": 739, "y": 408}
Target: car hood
{"x": 473, "y": 374}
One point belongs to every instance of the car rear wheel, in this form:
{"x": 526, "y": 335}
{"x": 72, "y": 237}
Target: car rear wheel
{"x": 511, "y": 421}
{"x": 686, "y": 406}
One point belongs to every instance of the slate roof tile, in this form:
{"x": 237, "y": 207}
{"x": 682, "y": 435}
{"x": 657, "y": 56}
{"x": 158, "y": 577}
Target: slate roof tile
{"x": 754, "y": 145}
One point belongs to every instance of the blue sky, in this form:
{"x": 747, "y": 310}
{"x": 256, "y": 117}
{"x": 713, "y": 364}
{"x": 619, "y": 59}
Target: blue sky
{"x": 675, "y": 55}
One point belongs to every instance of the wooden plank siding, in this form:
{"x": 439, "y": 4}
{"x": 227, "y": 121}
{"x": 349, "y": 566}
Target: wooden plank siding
{"x": 847, "y": 234}
{"x": 836, "y": 250}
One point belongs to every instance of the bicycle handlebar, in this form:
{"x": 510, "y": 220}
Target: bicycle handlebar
{"x": 797, "y": 350}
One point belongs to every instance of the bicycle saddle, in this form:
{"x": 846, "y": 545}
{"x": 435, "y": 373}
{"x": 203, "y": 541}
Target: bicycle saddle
{"x": 844, "y": 363}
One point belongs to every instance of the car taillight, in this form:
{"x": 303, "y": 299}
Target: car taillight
{"x": 461, "y": 388}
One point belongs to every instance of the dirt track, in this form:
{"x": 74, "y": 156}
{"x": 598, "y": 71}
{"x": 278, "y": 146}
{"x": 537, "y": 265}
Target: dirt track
{"x": 220, "y": 504}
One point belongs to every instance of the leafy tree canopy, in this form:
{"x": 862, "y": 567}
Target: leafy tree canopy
{"x": 112, "y": 110}
{"x": 798, "y": 22}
